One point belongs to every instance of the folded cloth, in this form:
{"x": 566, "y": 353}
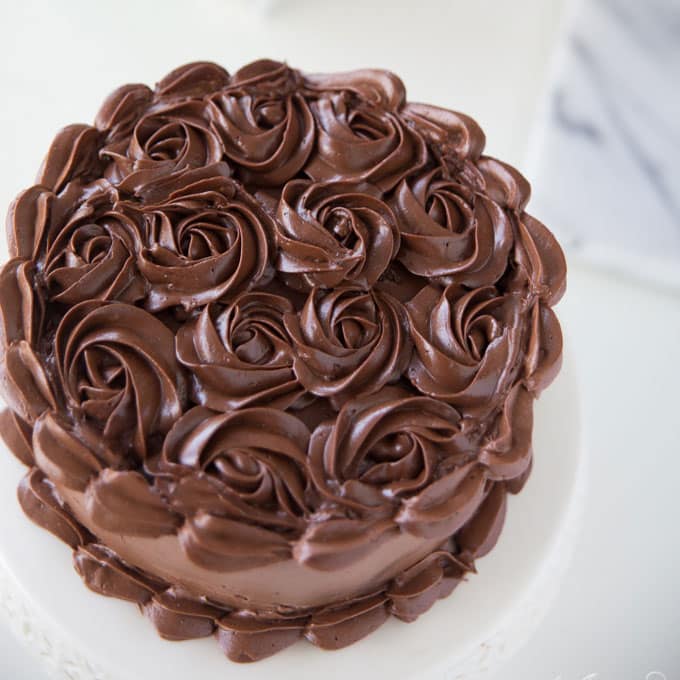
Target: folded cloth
{"x": 605, "y": 157}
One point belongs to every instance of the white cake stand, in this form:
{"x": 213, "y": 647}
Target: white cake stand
{"x": 82, "y": 636}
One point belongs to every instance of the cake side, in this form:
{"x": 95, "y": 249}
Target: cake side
{"x": 270, "y": 344}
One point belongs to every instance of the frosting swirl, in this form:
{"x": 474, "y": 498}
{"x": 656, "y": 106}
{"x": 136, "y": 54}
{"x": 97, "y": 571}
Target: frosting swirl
{"x": 240, "y": 478}
{"x": 92, "y": 255}
{"x": 248, "y": 464}
{"x": 449, "y": 229}
{"x": 205, "y": 238}
{"x": 467, "y": 345}
{"x": 83, "y": 241}
{"x": 165, "y": 140}
{"x": 240, "y": 354}
{"x": 358, "y": 141}
{"x": 381, "y": 448}
{"x": 348, "y": 341}
{"x": 116, "y": 367}
{"x": 332, "y": 232}
{"x": 265, "y": 124}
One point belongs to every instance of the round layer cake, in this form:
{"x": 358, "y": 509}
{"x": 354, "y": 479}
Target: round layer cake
{"x": 270, "y": 344}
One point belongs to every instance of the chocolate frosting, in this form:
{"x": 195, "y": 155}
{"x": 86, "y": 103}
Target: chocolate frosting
{"x": 265, "y": 123}
{"x": 357, "y": 140}
{"x": 347, "y": 341}
{"x": 247, "y": 464}
{"x": 206, "y": 238}
{"x": 450, "y": 230}
{"x": 239, "y": 354}
{"x": 467, "y": 345}
{"x": 270, "y": 344}
{"x": 332, "y": 232}
{"x": 116, "y": 367}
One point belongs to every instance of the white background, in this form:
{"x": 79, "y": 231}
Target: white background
{"x": 618, "y": 615}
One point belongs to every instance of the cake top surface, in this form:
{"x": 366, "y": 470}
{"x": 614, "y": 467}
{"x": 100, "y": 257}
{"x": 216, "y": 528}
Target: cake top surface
{"x": 291, "y": 311}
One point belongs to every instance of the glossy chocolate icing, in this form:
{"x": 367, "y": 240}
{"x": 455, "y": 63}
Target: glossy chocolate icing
{"x": 270, "y": 345}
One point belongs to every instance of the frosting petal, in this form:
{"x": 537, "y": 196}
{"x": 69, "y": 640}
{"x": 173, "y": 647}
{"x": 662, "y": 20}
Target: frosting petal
{"x": 122, "y": 501}
{"x": 337, "y": 543}
{"x": 335, "y": 628}
{"x": 479, "y": 535}
{"x": 504, "y": 184}
{"x": 193, "y": 80}
{"x": 427, "y": 581}
{"x": 452, "y": 135}
{"x": 63, "y": 456}
{"x": 27, "y": 219}
{"x": 508, "y": 452}
{"x": 39, "y": 501}
{"x": 222, "y": 544}
{"x": 122, "y": 109}
{"x": 375, "y": 86}
{"x": 24, "y": 384}
{"x": 104, "y": 573}
{"x": 541, "y": 260}
{"x": 544, "y": 351}
{"x": 245, "y": 639}
{"x": 179, "y": 617}
{"x": 445, "y": 505}
{"x": 17, "y": 435}
{"x": 73, "y": 153}
{"x": 21, "y": 311}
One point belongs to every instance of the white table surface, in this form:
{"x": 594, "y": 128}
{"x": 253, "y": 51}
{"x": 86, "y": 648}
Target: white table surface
{"x": 618, "y": 615}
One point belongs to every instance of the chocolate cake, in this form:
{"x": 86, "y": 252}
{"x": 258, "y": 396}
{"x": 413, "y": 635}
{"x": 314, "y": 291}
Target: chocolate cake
{"x": 270, "y": 345}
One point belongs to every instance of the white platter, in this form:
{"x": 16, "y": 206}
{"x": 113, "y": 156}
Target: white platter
{"x": 83, "y": 636}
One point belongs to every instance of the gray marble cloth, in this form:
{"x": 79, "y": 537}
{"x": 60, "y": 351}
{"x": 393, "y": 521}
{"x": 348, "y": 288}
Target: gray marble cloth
{"x": 605, "y": 158}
